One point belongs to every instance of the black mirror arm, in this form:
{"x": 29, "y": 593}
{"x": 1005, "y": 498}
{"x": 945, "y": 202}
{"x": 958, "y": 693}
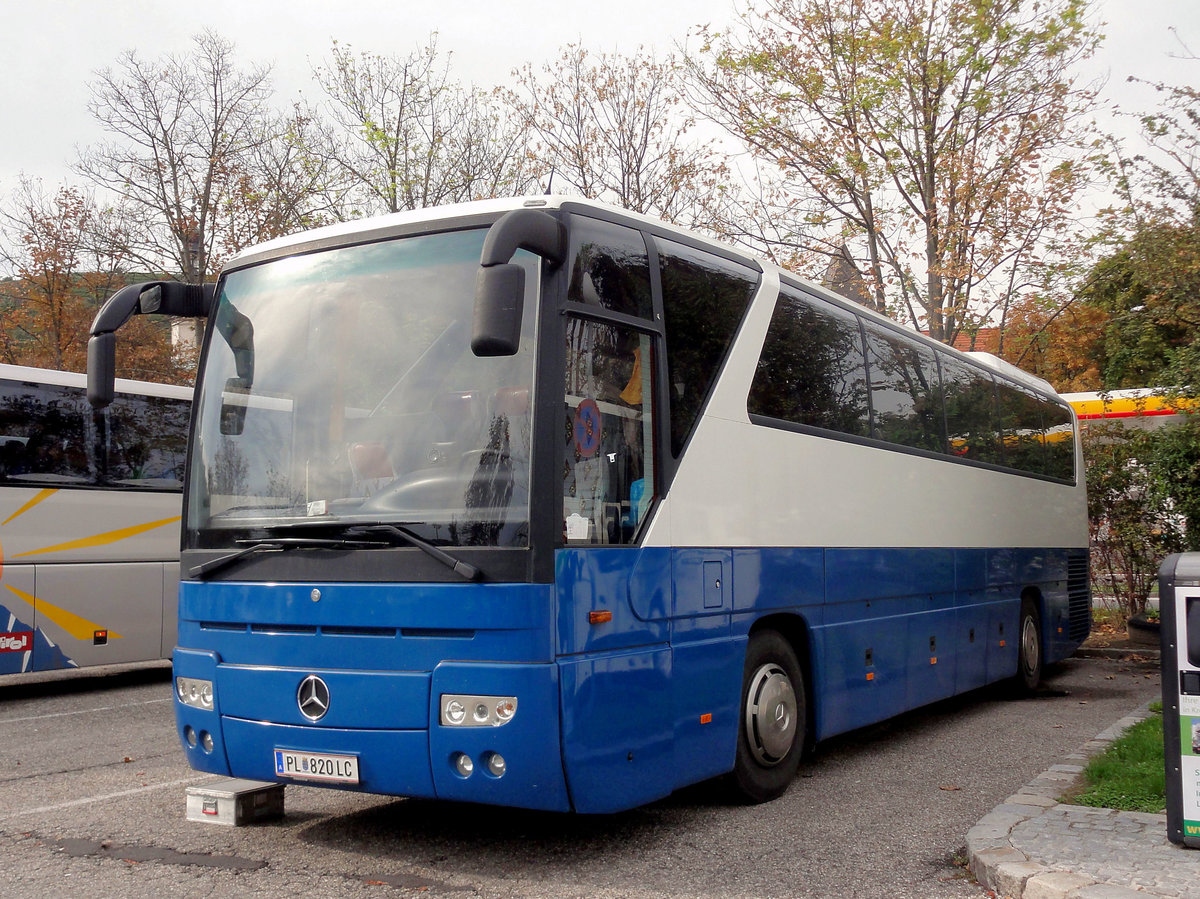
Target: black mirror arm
{"x": 525, "y": 229}
{"x": 162, "y": 297}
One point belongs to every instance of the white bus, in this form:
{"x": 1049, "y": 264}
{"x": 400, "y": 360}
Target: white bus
{"x": 89, "y": 520}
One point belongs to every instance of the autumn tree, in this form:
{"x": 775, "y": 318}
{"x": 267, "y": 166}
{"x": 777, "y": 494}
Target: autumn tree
{"x": 57, "y": 249}
{"x": 56, "y": 277}
{"x": 1141, "y": 299}
{"x": 190, "y": 134}
{"x": 939, "y": 141}
{"x": 409, "y": 136}
{"x": 619, "y": 128}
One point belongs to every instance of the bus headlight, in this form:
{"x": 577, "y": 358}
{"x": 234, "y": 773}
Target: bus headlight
{"x": 462, "y": 710}
{"x": 195, "y": 692}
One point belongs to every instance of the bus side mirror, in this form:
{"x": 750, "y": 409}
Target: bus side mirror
{"x": 499, "y": 302}
{"x": 101, "y": 369}
{"x": 500, "y": 286}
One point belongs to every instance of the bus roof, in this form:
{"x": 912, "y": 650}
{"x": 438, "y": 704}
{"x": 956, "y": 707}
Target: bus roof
{"x": 481, "y": 213}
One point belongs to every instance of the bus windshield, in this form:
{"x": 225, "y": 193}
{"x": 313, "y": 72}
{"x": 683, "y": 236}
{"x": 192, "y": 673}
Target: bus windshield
{"x": 339, "y": 388}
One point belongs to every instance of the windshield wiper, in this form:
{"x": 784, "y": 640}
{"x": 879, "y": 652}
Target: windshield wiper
{"x": 458, "y": 566}
{"x": 278, "y": 544}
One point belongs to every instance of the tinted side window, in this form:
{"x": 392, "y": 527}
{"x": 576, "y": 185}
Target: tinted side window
{"x": 812, "y": 371}
{"x": 1060, "y": 441}
{"x": 971, "y": 422}
{"x": 704, "y": 299}
{"x": 609, "y": 267}
{"x": 46, "y": 435}
{"x": 1021, "y": 420}
{"x": 147, "y": 442}
{"x": 906, "y": 399}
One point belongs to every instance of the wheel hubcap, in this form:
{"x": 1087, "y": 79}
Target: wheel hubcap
{"x": 771, "y": 715}
{"x": 1029, "y": 645}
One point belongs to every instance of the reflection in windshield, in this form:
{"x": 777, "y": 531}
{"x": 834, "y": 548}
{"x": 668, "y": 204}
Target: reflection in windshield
{"x": 366, "y": 402}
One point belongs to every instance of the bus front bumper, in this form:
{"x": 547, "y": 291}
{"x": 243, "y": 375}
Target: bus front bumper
{"x": 390, "y": 725}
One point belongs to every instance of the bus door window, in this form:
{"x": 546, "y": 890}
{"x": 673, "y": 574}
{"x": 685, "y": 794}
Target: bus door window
{"x": 608, "y": 471}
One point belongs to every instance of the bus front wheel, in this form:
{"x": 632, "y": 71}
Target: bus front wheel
{"x": 1029, "y": 657}
{"x": 773, "y": 727}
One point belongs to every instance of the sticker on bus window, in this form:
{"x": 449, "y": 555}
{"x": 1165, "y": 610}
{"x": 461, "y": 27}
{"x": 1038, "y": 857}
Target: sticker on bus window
{"x": 588, "y": 428}
{"x": 578, "y": 527}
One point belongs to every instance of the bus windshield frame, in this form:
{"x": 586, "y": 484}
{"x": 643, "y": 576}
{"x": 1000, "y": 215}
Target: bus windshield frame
{"x": 338, "y": 390}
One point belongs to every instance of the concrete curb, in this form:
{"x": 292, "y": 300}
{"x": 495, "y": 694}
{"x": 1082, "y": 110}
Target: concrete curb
{"x": 998, "y": 865}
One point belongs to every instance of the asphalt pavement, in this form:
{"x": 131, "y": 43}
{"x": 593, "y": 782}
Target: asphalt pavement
{"x": 92, "y": 804}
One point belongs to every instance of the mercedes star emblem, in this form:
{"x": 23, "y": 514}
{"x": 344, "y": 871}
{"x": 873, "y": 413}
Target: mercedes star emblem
{"x": 313, "y": 698}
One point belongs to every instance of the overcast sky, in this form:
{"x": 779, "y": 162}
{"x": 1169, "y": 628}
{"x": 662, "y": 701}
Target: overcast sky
{"x": 53, "y": 48}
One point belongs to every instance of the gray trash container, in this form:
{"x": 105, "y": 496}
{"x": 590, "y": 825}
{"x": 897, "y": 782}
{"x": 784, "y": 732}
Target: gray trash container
{"x": 1179, "y": 609}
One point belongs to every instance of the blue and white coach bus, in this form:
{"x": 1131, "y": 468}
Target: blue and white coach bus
{"x": 541, "y": 503}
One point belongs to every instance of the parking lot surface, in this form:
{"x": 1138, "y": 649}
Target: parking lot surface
{"x": 92, "y": 802}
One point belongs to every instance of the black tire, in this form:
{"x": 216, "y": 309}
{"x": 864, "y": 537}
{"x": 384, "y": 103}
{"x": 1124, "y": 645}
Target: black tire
{"x": 1029, "y": 642}
{"x": 773, "y": 719}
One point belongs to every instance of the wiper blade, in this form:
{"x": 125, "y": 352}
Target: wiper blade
{"x": 458, "y": 566}
{"x": 276, "y": 545}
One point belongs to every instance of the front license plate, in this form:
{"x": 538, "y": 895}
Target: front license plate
{"x": 340, "y": 769}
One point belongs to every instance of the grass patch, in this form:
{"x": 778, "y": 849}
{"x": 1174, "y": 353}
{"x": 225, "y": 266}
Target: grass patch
{"x": 1129, "y": 775}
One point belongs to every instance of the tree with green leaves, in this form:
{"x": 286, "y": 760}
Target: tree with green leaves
{"x": 1141, "y": 299}
{"x": 1130, "y": 517}
{"x": 941, "y": 141}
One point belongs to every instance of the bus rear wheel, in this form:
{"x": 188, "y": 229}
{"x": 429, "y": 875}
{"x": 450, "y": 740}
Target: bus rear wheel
{"x": 1029, "y": 656}
{"x": 773, "y": 728}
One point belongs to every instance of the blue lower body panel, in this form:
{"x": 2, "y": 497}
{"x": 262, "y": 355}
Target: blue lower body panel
{"x": 395, "y": 762}
{"x": 416, "y": 760}
{"x": 627, "y": 670}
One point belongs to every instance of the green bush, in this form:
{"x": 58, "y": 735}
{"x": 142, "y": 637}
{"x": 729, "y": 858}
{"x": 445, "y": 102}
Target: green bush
{"x": 1133, "y": 503}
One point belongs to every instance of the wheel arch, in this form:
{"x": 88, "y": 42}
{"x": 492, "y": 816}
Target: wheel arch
{"x": 796, "y": 631}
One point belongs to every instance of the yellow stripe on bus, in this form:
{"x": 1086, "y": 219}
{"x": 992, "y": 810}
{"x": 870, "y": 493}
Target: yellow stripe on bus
{"x": 100, "y": 539}
{"x": 42, "y": 495}
{"x": 1131, "y": 406}
{"x": 78, "y": 627}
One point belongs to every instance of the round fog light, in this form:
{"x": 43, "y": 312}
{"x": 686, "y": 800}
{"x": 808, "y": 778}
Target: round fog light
{"x": 206, "y": 741}
{"x": 190, "y": 736}
{"x": 463, "y": 764}
{"x": 496, "y": 765}
{"x": 455, "y": 712}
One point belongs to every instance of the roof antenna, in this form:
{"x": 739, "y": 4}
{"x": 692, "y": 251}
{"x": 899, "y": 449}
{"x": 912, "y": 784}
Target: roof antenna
{"x": 550, "y": 183}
